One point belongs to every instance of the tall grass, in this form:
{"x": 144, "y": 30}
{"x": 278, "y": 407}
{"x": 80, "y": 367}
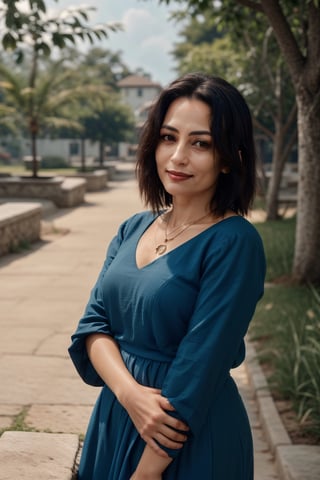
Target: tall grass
{"x": 278, "y": 238}
{"x": 286, "y": 328}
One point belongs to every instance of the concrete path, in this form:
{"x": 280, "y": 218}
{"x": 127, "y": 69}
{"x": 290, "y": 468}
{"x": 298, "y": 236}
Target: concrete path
{"x": 42, "y": 295}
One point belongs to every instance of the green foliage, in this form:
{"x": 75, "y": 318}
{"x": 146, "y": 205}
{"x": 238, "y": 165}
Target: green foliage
{"x": 18, "y": 247}
{"x": 19, "y": 423}
{"x": 278, "y": 237}
{"x": 287, "y": 328}
{"x": 217, "y": 58}
{"x": 38, "y": 33}
{"x": 51, "y": 161}
{"x": 46, "y": 32}
{"x": 110, "y": 120}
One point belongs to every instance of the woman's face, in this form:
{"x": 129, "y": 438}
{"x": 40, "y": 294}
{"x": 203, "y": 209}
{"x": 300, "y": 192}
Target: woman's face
{"x": 186, "y": 161}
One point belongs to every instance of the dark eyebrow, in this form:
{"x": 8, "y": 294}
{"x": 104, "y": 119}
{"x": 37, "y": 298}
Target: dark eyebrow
{"x": 196, "y": 132}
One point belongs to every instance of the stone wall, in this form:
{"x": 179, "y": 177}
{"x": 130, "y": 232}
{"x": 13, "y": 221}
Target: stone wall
{"x": 20, "y": 224}
{"x": 96, "y": 180}
{"x": 64, "y": 192}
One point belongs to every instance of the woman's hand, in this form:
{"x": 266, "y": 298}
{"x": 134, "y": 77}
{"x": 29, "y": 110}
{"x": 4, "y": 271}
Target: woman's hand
{"x": 142, "y": 476}
{"x": 146, "y": 406}
{"x": 148, "y": 409}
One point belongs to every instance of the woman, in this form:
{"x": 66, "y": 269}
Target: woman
{"x": 167, "y": 317}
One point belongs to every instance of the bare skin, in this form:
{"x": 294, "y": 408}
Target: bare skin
{"x": 146, "y": 406}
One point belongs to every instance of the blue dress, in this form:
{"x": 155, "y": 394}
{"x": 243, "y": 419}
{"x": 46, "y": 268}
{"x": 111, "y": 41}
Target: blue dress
{"x": 180, "y": 323}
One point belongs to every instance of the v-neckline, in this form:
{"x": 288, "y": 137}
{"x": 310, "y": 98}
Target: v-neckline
{"x": 165, "y": 255}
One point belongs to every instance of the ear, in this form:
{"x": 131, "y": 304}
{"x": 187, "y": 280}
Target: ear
{"x": 225, "y": 170}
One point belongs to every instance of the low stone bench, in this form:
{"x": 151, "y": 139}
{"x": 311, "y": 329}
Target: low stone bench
{"x": 288, "y": 198}
{"x": 96, "y": 180}
{"x": 34, "y": 455}
{"x": 64, "y": 192}
{"x": 111, "y": 168}
{"x": 72, "y": 192}
{"x": 20, "y": 223}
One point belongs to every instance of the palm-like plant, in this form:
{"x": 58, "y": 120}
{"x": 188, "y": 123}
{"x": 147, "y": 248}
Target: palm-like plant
{"x": 47, "y": 105}
{"x": 40, "y": 33}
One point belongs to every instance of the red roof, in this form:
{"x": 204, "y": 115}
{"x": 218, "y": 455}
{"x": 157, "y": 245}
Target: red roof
{"x": 138, "y": 81}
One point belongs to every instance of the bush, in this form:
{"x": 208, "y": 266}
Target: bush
{"x": 286, "y": 329}
{"x": 52, "y": 161}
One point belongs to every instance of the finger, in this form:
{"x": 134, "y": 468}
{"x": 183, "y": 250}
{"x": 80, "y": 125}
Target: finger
{"x": 152, "y": 390}
{"x": 173, "y": 434}
{"x": 166, "y": 405}
{"x": 166, "y": 442}
{"x": 175, "y": 423}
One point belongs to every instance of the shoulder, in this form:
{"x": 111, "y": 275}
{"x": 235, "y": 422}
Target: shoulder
{"x": 235, "y": 234}
{"x": 234, "y": 245}
{"x": 237, "y": 228}
{"x": 135, "y": 222}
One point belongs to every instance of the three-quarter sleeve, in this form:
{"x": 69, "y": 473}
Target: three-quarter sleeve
{"x": 231, "y": 284}
{"x": 94, "y": 320}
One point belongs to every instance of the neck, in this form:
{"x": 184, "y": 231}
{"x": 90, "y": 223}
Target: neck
{"x": 180, "y": 216}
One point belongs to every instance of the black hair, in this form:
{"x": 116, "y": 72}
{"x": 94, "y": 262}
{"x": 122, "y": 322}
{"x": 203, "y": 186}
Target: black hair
{"x": 232, "y": 136}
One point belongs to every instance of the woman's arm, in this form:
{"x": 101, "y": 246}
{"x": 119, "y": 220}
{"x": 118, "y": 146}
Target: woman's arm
{"x": 151, "y": 466}
{"x": 146, "y": 406}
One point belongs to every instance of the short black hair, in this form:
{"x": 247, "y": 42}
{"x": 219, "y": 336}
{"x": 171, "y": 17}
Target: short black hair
{"x": 232, "y": 136}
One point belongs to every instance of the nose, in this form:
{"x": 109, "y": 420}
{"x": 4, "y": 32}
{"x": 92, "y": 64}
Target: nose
{"x": 179, "y": 154}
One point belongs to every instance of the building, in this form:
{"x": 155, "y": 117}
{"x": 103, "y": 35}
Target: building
{"x": 138, "y": 92}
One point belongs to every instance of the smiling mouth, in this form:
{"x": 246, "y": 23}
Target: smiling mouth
{"x": 178, "y": 175}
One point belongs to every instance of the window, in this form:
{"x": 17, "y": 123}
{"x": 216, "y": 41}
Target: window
{"x": 74, "y": 148}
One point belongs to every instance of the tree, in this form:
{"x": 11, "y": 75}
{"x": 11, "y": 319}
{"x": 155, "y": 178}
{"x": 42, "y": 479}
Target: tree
{"x": 53, "y": 97}
{"x": 41, "y": 33}
{"x": 301, "y": 54}
{"x": 104, "y": 66}
{"x": 110, "y": 122}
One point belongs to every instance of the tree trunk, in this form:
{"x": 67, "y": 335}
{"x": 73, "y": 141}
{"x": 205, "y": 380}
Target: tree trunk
{"x": 34, "y": 154}
{"x": 101, "y": 153}
{"x": 272, "y": 203}
{"x": 83, "y": 154}
{"x": 306, "y": 265}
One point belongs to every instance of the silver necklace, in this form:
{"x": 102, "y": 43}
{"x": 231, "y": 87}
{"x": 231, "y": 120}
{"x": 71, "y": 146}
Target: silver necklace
{"x": 161, "y": 248}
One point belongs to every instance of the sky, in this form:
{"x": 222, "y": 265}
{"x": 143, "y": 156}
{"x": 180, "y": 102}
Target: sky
{"x": 148, "y": 35}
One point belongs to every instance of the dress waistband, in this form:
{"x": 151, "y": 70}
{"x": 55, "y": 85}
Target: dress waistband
{"x": 143, "y": 353}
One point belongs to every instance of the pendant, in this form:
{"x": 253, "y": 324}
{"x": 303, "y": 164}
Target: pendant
{"x": 161, "y": 249}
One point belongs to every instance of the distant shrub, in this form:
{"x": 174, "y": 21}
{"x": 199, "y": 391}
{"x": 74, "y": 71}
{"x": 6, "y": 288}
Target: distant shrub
{"x": 53, "y": 161}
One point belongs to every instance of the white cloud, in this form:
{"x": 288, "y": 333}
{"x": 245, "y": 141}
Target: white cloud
{"x": 139, "y": 22}
{"x": 148, "y": 36}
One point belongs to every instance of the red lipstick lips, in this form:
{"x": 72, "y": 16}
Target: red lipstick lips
{"x": 178, "y": 176}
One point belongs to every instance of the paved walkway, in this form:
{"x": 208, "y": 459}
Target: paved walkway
{"x": 42, "y": 295}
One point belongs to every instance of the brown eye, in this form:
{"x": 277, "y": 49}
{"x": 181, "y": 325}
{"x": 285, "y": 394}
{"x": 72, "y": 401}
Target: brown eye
{"x": 202, "y": 144}
{"x": 166, "y": 137}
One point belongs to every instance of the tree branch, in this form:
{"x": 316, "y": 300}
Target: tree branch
{"x": 289, "y": 145}
{"x": 313, "y": 47}
{"x": 251, "y": 4}
{"x": 291, "y": 119}
{"x": 262, "y": 128}
{"x": 285, "y": 37}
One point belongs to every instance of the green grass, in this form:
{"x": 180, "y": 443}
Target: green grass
{"x": 286, "y": 329}
{"x": 19, "y": 423}
{"x": 21, "y": 170}
{"x": 278, "y": 238}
